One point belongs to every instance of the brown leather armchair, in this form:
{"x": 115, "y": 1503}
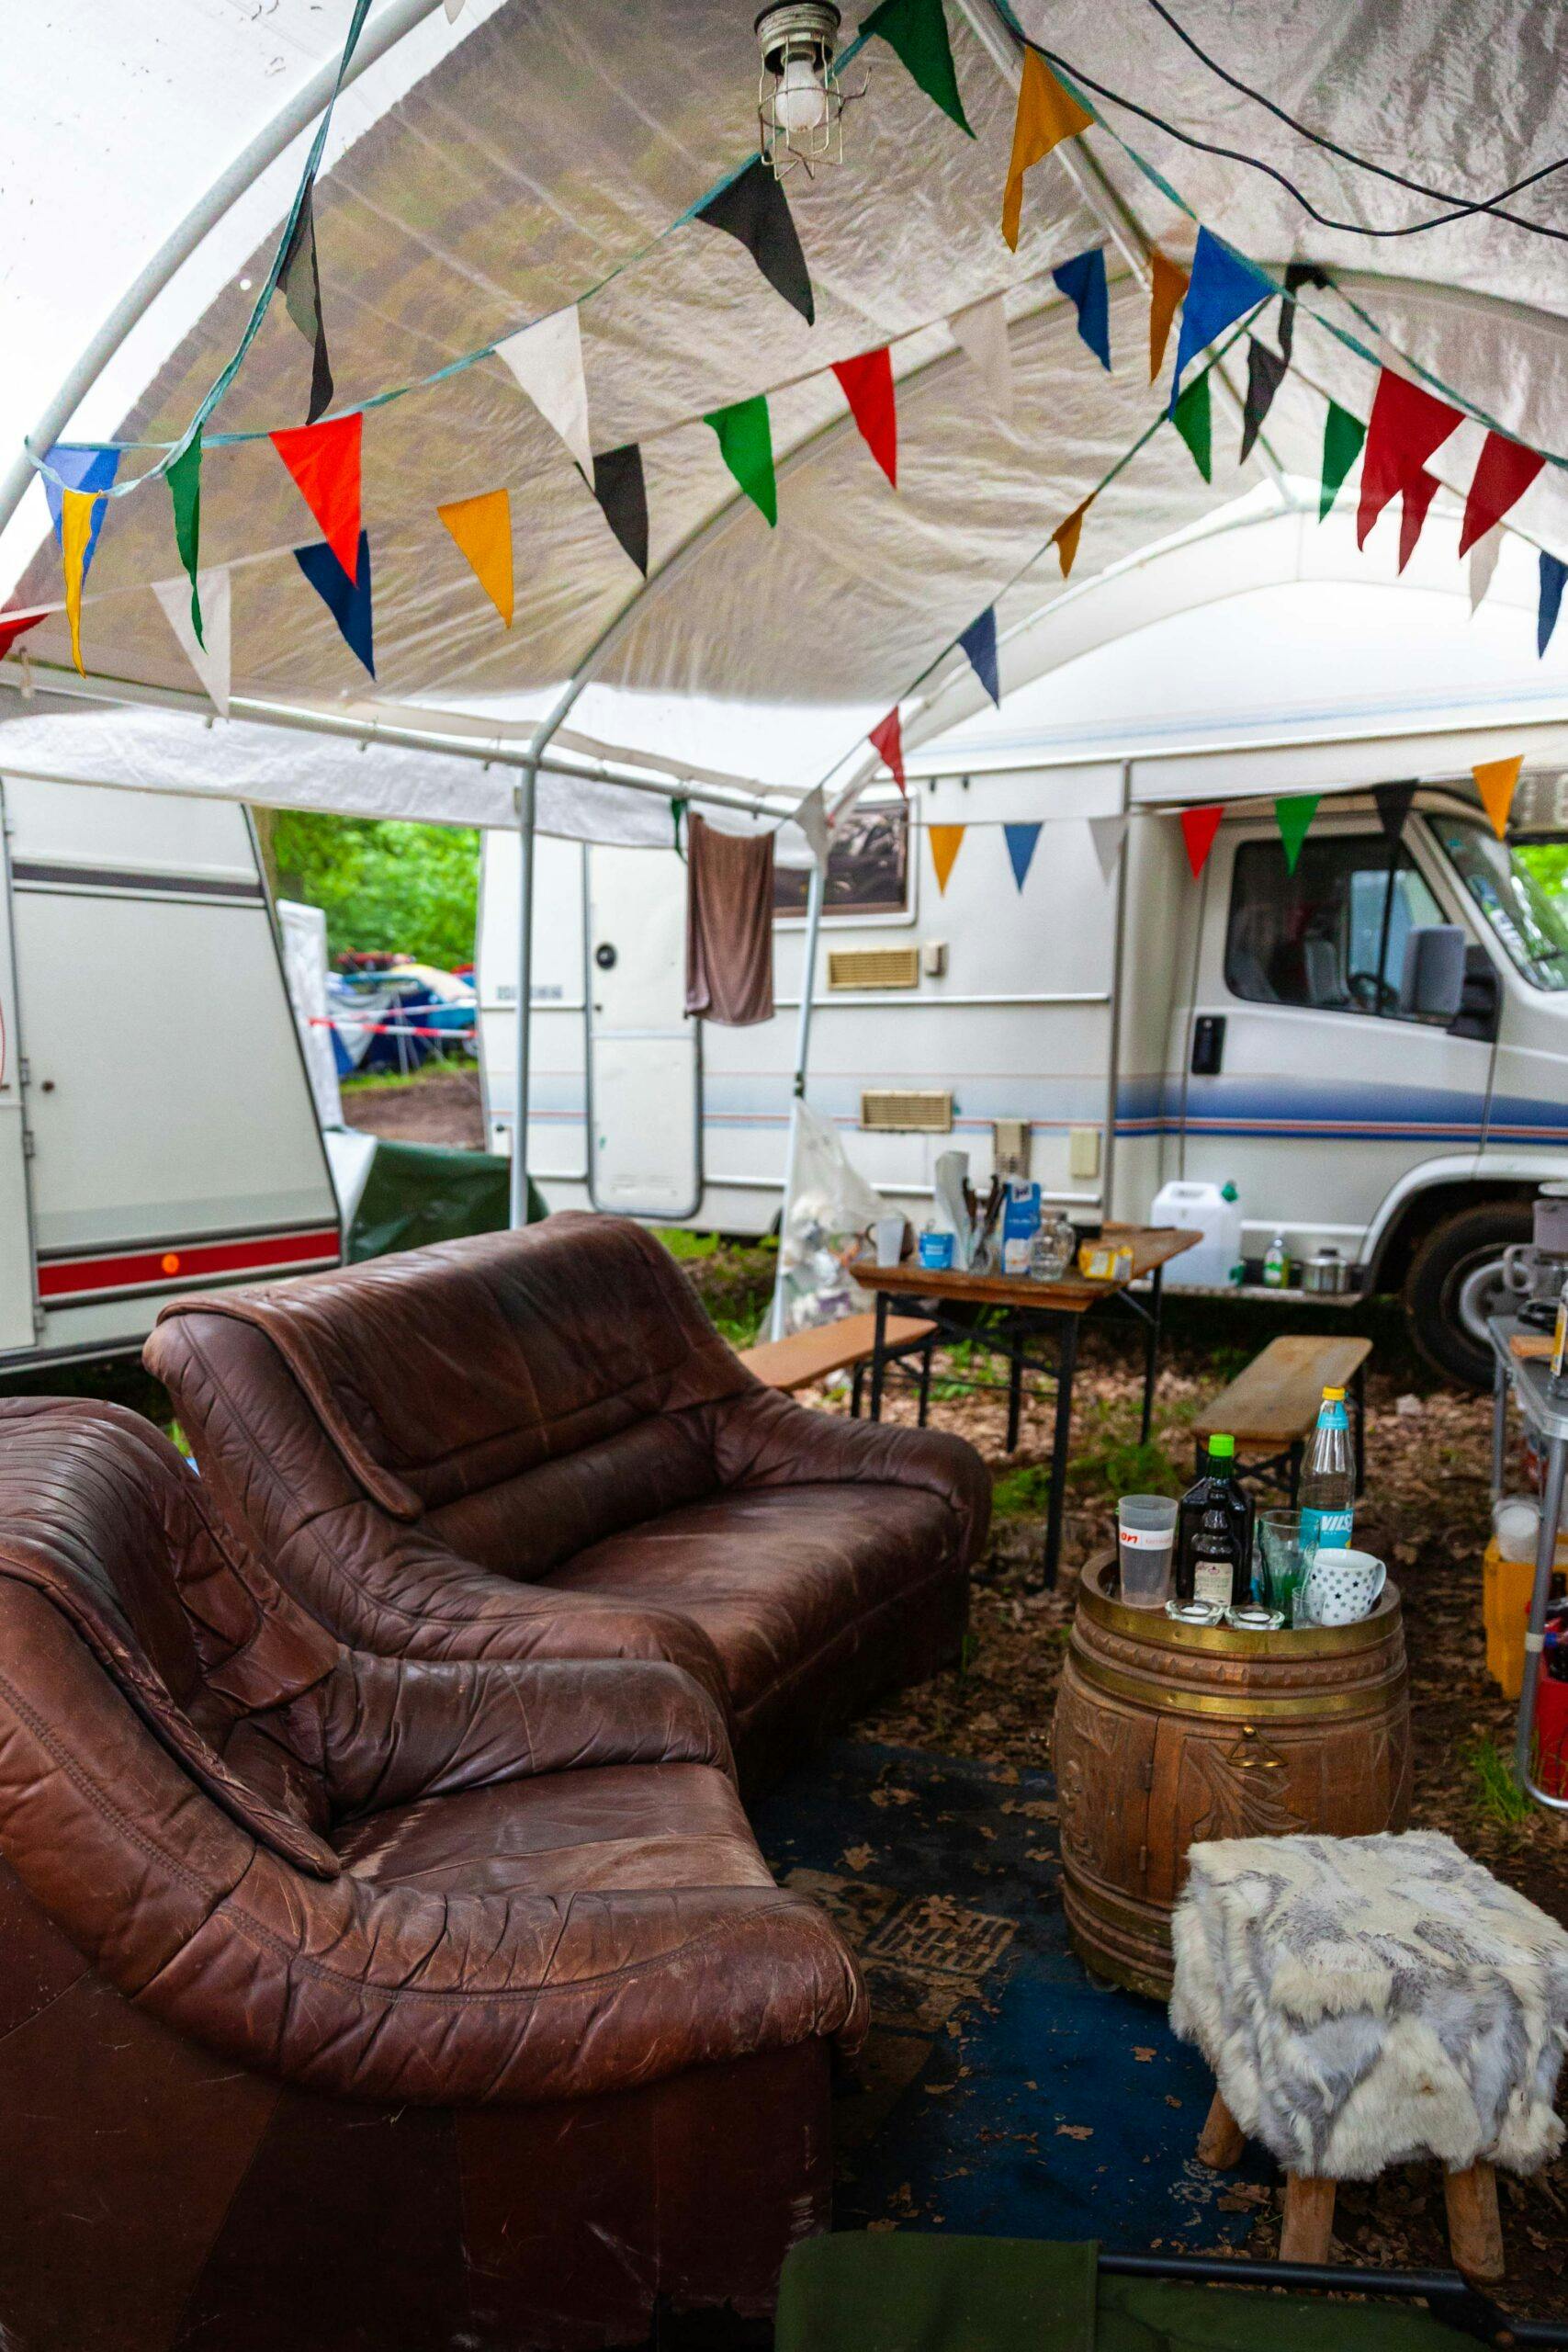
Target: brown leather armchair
{"x": 536, "y": 1444}
{"x": 348, "y": 2001}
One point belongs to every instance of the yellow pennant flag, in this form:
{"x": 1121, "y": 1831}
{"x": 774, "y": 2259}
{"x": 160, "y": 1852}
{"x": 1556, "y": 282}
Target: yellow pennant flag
{"x": 1166, "y": 287}
{"x": 1065, "y": 537}
{"x": 482, "y": 528}
{"x": 945, "y": 840}
{"x": 1496, "y": 781}
{"x": 75, "y": 532}
{"x": 1047, "y": 115}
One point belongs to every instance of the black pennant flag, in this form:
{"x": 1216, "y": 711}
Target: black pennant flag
{"x": 301, "y": 282}
{"x": 1393, "y": 806}
{"x": 1298, "y": 274}
{"x": 755, "y": 209}
{"x": 618, "y": 486}
{"x": 1264, "y": 374}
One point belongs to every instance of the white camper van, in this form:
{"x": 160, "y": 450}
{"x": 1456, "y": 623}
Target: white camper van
{"x": 1373, "y": 1050}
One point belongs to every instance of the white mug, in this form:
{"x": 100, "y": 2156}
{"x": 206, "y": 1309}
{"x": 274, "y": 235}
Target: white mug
{"x": 1341, "y": 1587}
{"x": 888, "y": 1234}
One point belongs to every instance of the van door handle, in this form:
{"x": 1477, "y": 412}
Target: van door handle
{"x": 1208, "y": 1045}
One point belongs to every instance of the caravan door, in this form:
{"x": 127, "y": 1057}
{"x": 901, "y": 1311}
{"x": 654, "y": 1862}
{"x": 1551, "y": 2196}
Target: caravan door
{"x": 643, "y": 1055}
{"x": 17, "y": 1287}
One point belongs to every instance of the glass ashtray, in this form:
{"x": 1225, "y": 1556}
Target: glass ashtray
{"x": 1252, "y": 1617}
{"x": 1194, "y": 1612}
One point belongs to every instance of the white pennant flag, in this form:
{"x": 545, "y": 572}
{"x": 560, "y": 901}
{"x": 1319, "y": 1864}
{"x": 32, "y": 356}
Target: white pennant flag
{"x": 546, "y": 359}
{"x": 981, "y": 334}
{"x": 454, "y": 10}
{"x": 212, "y": 662}
{"x": 811, "y": 816}
{"x": 1107, "y": 834}
{"x": 1483, "y": 564}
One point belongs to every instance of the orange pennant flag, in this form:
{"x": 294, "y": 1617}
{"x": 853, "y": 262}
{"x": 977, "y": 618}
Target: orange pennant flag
{"x": 75, "y": 534}
{"x": 946, "y": 841}
{"x": 482, "y": 529}
{"x": 1168, "y": 285}
{"x": 1065, "y": 537}
{"x": 1047, "y": 115}
{"x": 1496, "y": 781}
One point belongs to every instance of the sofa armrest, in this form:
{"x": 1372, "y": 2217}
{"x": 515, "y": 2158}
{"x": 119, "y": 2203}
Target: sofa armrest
{"x": 398, "y": 1729}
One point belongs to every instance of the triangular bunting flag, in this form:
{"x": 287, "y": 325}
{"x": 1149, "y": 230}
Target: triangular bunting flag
{"x": 1552, "y": 574}
{"x": 324, "y": 462}
{"x": 81, "y": 465}
{"x": 209, "y": 653}
{"x": 13, "y": 626}
{"x": 1342, "y": 438}
{"x": 1504, "y": 471}
{"x": 300, "y": 278}
{"x": 915, "y": 30}
{"x": 1223, "y": 289}
{"x": 481, "y": 527}
{"x": 867, "y": 385}
{"x": 746, "y": 441}
{"x": 1065, "y": 537}
{"x": 183, "y": 478}
{"x": 1107, "y": 834}
{"x": 887, "y": 738}
{"x": 347, "y": 599}
{"x": 1415, "y": 503}
{"x": 1264, "y": 374}
{"x": 1393, "y": 802}
{"x": 811, "y": 816}
{"x": 1297, "y": 275}
{"x": 1198, "y": 827}
{"x": 1406, "y": 427}
{"x": 1483, "y": 558}
{"x": 754, "y": 209}
{"x": 946, "y": 841}
{"x": 1191, "y": 419}
{"x": 76, "y": 534}
{"x": 1293, "y": 815}
{"x": 1497, "y": 781}
{"x": 979, "y": 642}
{"x": 622, "y": 495}
{"x": 980, "y": 331}
{"x": 1022, "y": 840}
{"x": 1168, "y": 284}
{"x": 454, "y": 10}
{"x": 546, "y": 359}
{"x": 1082, "y": 280}
{"x": 1047, "y": 115}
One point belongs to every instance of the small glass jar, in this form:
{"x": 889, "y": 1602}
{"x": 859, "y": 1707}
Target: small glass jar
{"x": 1052, "y": 1251}
{"x": 1194, "y": 1612}
{"x": 1252, "y": 1617}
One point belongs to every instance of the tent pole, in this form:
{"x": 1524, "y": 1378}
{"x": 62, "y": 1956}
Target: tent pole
{"x": 528, "y": 799}
{"x": 814, "y": 894}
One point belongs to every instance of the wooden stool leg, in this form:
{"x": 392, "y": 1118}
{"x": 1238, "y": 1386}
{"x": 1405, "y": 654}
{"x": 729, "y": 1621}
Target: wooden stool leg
{"x": 1309, "y": 2218}
{"x": 1221, "y": 2139}
{"x": 1475, "y": 2233}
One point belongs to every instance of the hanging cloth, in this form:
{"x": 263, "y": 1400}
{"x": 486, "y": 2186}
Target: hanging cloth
{"x": 729, "y": 924}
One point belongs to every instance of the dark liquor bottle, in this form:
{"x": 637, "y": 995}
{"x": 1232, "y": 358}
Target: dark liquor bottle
{"x": 1213, "y": 1533}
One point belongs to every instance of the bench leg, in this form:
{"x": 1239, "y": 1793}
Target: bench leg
{"x": 1295, "y": 1473}
{"x": 1475, "y": 2233}
{"x": 926, "y": 1354}
{"x": 1308, "y": 2233}
{"x": 857, "y": 1390}
{"x": 1221, "y": 2139}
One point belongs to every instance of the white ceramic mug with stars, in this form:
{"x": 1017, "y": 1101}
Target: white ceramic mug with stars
{"x": 1341, "y": 1587}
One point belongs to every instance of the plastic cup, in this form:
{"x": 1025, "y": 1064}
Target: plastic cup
{"x": 1286, "y": 1560}
{"x": 887, "y": 1237}
{"x": 1146, "y": 1532}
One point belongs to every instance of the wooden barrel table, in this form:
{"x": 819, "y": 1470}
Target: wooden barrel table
{"x": 1167, "y": 1734}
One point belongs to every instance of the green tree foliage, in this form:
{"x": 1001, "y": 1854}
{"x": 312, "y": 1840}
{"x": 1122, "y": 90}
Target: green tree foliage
{"x": 411, "y": 890}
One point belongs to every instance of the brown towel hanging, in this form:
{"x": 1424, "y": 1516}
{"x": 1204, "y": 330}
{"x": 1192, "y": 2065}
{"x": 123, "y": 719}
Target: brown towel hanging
{"x": 729, "y": 925}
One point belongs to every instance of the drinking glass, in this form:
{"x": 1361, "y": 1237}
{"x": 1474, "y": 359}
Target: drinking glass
{"x": 1286, "y": 1560}
{"x": 1145, "y": 1539}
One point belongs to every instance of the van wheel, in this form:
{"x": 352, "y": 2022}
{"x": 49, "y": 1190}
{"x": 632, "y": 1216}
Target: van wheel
{"x": 1456, "y": 1281}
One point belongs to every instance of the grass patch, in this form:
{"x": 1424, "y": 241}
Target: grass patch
{"x": 1123, "y": 1466}
{"x": 370, "y": 1081}
{"x": 685, "y": 1245}
{"x": 1024, "y": 1493}
{"x": 1497, "y": 1793}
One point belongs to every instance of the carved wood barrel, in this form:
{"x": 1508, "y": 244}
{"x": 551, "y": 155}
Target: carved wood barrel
{"x": 1167, "y": 1734}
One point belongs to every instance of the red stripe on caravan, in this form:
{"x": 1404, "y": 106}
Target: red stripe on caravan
{"x": 194, "y": 1262}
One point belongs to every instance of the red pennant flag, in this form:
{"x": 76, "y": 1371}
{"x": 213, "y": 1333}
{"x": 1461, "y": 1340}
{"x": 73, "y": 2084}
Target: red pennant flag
{"x": 1504, "y": 471}
{"x": 1406, "y": 425}
{"x": 868, "y": 388}
{"x": 887, "y": 737}
{"x": 12, "y": 627}
{"x": 1198, "y": 827}
{"x": 324, "y": 462}
{"x": 1416, "y": 497}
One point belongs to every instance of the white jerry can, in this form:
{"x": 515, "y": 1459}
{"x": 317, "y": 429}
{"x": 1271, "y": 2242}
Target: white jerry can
{"x": 1213, "y": 1211}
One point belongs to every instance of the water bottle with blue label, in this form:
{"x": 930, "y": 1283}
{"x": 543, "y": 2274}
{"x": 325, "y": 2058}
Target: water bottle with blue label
{"x": 1328, "y": 1482}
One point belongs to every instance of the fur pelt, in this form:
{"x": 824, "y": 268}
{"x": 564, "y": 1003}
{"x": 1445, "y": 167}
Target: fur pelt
{"x": 1364, "y": 2001}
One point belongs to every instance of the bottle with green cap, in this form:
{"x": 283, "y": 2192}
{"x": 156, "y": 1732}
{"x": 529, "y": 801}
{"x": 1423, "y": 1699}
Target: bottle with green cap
{"x": 1214, "y": 1556}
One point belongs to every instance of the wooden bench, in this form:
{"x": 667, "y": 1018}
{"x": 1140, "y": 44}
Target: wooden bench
{"x": 808, "y": 1357}
{"x": 1274, "y": 1404}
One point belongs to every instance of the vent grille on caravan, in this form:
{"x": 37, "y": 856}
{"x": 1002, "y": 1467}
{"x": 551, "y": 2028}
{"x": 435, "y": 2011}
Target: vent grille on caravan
{"x": 873, "y": 967}
{"x": 914, "y": 1110}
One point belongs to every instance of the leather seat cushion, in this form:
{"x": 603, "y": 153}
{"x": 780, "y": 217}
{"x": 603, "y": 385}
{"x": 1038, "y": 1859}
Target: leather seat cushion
{"x": 774, "y": 1574}
{"x": 626, "y": 1825}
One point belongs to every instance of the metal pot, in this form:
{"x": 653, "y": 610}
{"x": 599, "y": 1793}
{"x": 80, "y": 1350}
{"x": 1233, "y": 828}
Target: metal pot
{"x": 1326, "y": 1275}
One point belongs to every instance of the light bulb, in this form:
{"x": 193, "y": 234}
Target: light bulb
{"x": 800, "y": 103}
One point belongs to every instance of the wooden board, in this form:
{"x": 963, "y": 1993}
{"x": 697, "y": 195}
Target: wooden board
{"x": 807, "y": 1357}
{"x": 1151, "y": 1246}
{"x": 1276, "y": 1399}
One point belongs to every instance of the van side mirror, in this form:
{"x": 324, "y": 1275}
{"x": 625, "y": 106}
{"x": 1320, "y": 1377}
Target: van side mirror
{"x": 1431, "y": 984}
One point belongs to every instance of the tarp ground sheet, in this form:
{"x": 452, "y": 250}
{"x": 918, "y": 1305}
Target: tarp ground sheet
{"x": 416, "y": 1193}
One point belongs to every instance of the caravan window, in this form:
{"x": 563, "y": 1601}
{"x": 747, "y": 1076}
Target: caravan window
{"x": 1316, "y": 937}
{"x": 1518, "y": 887}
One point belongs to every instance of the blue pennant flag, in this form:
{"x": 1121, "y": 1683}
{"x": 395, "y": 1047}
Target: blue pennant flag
{"x": 979, "y": 641}
{"x": 1223, "y": 289}
{"x": 83, "y": 465}
{"x": 1020, "y": 841}
{"x": 348, "y": 600}
{"x": 1554, "y": 573}
{"x": 1083, "y": 283}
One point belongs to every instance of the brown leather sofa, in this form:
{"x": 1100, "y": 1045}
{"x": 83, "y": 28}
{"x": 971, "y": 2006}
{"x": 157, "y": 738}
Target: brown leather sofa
{"x": 357, "y": 2001}
{"x": 536, "y": 1444}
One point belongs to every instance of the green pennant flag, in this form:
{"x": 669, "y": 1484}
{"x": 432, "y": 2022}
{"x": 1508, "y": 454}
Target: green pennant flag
{"x": 746, "y": 441}
{"x": 1293, "y": 815}
{"x": 915, "y": 30}
{"x": 183, "y": 478}
{"x": 1192, "y": 420}
{"x": 1342, "y": 438}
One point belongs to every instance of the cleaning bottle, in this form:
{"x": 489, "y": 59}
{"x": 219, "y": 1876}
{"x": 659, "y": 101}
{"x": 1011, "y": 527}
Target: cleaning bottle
{"x": 1328, "y": 1482}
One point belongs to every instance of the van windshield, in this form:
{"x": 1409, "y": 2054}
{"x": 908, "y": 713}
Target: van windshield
{"x": 1521, "y": 888}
